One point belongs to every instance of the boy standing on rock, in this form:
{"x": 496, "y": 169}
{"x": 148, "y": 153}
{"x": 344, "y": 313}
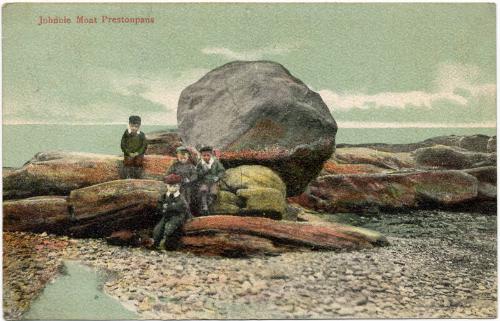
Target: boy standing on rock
{"x": 174, "y": 212}
{"x": 210, "y": 171}
{"x": 134, "y": 146}
{"x": 186, "y": 170}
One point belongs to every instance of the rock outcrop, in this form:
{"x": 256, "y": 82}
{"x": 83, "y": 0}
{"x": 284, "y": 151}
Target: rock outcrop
{"x": 259, "y": 111}
{"x": 163, "y": 143}
{"x": 374, "y": 157}
{"x": 452, "y": 158}
{"x": 325, "y": 236}
{"x": 58, "y": 173}
{"x": 373, "y": 192}
{"x": 252, "y": 190}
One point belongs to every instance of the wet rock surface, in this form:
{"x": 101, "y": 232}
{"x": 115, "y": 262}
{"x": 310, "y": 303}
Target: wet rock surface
{"x": 439, "y": 265}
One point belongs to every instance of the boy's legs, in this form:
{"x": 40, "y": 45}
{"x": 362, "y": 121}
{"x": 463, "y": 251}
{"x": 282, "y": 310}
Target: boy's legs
{"x": 158, "y": 232}
{"x": 204, "y": 188}
{"x": 138, "y": 166}
{"x": 170, "y": 227}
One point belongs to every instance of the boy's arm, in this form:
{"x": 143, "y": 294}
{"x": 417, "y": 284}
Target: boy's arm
{"x": 144, "y": 145}
{"x": 123, "y": 144}
{"x": 220, "y": 170}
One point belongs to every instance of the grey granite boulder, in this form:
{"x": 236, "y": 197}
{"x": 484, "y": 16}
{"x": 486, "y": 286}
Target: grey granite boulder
{"x": 258, "y": 106}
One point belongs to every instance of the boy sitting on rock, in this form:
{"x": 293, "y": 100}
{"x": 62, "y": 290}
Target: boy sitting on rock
{"x": 174, "y": 212}
{"x": 186, "y": 170}
{"x": 134, "y": 146}
{"x": 210, "y": 171}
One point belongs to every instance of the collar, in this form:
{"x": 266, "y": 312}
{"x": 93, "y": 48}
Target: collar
{"x": 130, "y": 132}
{"x": 209, "y": 163}
{"x": 176, "y": 194}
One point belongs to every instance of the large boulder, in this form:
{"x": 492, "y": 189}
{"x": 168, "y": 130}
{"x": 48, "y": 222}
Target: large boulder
{"x": 260, "y": 111}
{"x": 367, "y": 192}
{"x": 452, "y": 158}
{"x": 58, "y": 173}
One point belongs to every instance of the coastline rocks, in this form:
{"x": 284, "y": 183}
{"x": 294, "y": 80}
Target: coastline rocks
{"x": 475, "y": 143}
{"x": 163, "y": 143}
{"x": 491, "y": 147}
{"x": 374, "y": 157}
{"x": 452, "y": 158}
{"x": 36, "y": 214}
{"x": 58, "y": 173}
{"x": 327, "y": 236}
{"x": 368, "y": 192}
{"x": 99, "y": 209}
{"x": 470, "y": 142}
{"x": 251, "y": 190}
{"x": 261, "y": 109}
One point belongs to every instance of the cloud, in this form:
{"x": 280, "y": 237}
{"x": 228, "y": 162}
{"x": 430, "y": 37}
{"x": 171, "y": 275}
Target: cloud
{"x": 456, "y": 84}
{"x": 354, "y": 124}
{"x": 254, "y": 54}
{"x": 105, "y": 96}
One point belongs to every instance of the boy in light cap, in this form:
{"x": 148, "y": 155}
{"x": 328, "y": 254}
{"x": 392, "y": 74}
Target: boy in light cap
{"x": 210, "y": 171}
{"x": 133, "y": 145}
{"x": 174, "y": 212}
{"x": 184, "y": 167}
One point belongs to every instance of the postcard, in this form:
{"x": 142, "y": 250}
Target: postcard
{"x": 249, "y": 161}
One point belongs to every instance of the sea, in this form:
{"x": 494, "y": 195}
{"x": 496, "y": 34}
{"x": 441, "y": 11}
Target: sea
{"x": 21, "y": 142}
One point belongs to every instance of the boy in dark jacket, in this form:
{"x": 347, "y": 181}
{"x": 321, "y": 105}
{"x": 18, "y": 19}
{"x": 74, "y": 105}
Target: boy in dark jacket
{"x": 133, "y": 145}
{"x": 186, "y": 170}
{"x": 174, "y": 212}
{"x": 210, "y": 171}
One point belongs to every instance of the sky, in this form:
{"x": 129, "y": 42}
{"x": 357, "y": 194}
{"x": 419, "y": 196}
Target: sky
{"x": 375, "y": 65}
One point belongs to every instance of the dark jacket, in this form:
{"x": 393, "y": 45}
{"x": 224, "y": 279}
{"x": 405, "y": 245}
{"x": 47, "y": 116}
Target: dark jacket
{"x": 212, "y": 175}
{"x": 187, "y": 171}
{"x": 134, "y": 143}
{"x": 170, "y": 206}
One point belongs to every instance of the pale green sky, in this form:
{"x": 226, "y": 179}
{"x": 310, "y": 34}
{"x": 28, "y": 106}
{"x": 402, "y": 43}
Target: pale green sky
{"x": 378, "y": 63}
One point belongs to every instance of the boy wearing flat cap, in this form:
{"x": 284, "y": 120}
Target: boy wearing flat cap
{"x": 210, "y": 171}
{"x": 184, "y": 167}
{"x": 173, "y": 210}
{"x": 133, "y": 145}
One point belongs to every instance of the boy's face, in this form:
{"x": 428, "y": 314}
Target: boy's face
{"x": 182, "y": 157}
{"x": 134, "y": 128}
{"x": 173, "y": 188}
{"x": 206, "y": 156}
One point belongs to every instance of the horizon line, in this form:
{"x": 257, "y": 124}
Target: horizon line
{"x": 340, "y": 124}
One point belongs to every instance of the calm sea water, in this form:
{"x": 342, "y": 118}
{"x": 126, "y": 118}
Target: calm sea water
{"x": 21, "y": 142}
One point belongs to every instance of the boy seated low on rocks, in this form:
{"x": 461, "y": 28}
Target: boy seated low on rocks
{"x": 174, "y": 212}
{"x": 133, "y": 145}
{"x": 210, "y": 171}
{"x": 186, "y": 170}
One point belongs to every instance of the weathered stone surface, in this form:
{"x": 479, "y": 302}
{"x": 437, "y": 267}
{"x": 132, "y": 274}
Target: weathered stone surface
{"x": 325, "y": 236}
{"x": 267, "y": 202}
{"x": 491, "y": 147}
{"x": 452, "y": 158}
{"x": 332, "y": 167}
{"x": 264, "y": 115}
{"x": 163, "y": 143}
{"x": 58, "y": 173}
{"x": 374, "y": 157}
{"x": 344, "y": 193}
{"x": 252, "y": 176}
{"x": 487, "y": 177}
{"x": 466, "y": 142}
{"x": 36, "y": 214}
{"x": 251, "y": 190}
{"x": 99, "y": 209}
{"x": 228, "y": 245}
{"x": 475, "y": 143}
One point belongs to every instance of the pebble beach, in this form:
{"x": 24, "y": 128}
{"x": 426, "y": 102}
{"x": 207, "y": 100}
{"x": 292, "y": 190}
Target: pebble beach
{"x": 438, "y": 265}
